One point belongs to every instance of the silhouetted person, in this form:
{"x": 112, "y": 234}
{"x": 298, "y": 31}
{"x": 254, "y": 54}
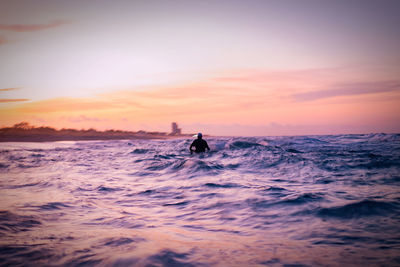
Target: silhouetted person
{"x": 200, "y": 144}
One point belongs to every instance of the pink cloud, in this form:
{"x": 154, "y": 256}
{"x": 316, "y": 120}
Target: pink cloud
{"x": 349, "y": 89}
{"x": 31, "y": 27}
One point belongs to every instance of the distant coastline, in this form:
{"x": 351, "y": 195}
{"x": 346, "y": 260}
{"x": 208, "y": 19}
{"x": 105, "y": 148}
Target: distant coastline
{"x": 24, "y": 132}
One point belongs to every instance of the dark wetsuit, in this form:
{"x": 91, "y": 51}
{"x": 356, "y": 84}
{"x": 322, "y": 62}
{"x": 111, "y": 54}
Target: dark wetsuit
{"x": 200, "y": 145}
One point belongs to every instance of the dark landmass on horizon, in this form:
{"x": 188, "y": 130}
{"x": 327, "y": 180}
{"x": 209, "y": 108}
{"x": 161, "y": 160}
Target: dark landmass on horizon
{"x": 24, "y": 132}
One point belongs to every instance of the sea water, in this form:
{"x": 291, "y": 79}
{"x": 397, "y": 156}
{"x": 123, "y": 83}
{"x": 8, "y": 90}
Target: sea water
{"x": 251, "y": 201}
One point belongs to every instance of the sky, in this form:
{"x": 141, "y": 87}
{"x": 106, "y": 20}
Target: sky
{"x": 287, "y": 67}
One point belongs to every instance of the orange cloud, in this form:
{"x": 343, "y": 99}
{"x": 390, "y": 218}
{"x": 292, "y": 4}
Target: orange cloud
{"x": 67, "y": 105}
{"x": 247, "y": 98}
{"x": 9, "y": 89}
{"x": 13, "y": 100}
{"x": 31, "y": 27}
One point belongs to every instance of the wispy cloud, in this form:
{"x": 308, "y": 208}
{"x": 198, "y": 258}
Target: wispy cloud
{"x": 348, "y": 90}
{"x": 8, "y": 89}
{"x": 83, "y": 118}
{"x": 3, "y": 40}
{"x": 69, "y": 105}
{"x": 245, "y": 99}
{"x": 13, "y": 100}
{"x": 244, "y": 94}
{"x": 31, "y": 27}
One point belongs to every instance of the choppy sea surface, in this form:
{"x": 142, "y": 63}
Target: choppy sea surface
{"x": 265, "y": 201}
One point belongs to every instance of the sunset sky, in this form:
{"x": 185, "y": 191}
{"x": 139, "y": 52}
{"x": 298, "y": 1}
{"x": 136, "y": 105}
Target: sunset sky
{"x": 220, "y": 67}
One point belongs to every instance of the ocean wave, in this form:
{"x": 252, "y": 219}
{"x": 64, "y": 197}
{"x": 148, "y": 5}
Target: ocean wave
{"x": 170, "y": 258}
{"x": 11, "y": 222}
{"x": 52, "y": 206}
{"x": 249, "y": 201}
{"x": 360, "y": 209}
{"x": 243, "y": 145}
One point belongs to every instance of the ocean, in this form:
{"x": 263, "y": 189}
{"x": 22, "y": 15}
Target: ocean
{"x": 329, "y": 200}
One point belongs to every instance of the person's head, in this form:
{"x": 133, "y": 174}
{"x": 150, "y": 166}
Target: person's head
{"x": 199, "y": 136}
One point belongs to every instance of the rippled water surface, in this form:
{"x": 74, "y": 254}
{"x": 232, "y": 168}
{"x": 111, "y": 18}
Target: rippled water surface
{"x": 273, "y": 201}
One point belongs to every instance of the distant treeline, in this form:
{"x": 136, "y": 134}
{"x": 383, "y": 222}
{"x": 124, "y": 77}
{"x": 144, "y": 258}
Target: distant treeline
{"x": 24, "y": 132}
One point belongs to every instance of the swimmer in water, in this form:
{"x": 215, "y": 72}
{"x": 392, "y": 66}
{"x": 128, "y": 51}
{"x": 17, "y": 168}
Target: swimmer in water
{"x": 200, "y": 144}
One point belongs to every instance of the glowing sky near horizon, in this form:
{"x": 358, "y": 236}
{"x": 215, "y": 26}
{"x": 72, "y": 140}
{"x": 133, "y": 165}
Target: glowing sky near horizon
{"x": 223, "y": 67}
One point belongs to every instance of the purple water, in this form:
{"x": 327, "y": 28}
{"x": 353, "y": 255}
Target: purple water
{"x": 268, "y": 201}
